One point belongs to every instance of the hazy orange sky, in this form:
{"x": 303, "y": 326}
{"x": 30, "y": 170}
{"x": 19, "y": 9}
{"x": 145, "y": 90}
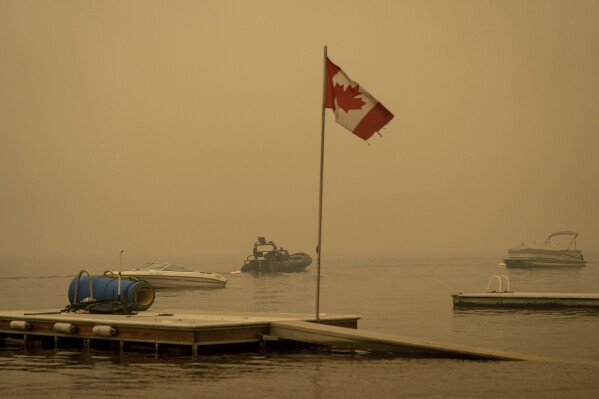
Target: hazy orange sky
{"x": 182, "y": 129}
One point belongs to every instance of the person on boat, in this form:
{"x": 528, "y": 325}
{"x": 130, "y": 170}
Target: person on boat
{"x": 279, "y": 256}
{"x": 282, "y": 255}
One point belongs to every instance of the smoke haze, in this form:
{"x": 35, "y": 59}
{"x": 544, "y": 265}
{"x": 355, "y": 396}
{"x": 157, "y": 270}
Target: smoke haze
{"x": 184, "y": 129}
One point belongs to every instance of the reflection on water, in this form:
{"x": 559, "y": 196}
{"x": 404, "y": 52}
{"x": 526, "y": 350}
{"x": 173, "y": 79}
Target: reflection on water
{"x": 409, "y": 297}
{"x": 295, "y": 375}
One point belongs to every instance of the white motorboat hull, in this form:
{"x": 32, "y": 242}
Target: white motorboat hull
{"x": 165, "y": 281}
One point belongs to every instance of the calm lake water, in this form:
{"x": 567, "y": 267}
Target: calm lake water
{"x": 408, "y": 296}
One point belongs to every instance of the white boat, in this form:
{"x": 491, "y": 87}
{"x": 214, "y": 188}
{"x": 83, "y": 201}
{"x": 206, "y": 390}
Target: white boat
{"x": 547, "y": 254}
{"x": 166, "y": 275}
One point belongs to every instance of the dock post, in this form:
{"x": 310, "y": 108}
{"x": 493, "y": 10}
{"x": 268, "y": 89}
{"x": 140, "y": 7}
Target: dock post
{"x": 56, "y": 342}
{"x": 264, "y": 338}
{"x": 194, "y": 349}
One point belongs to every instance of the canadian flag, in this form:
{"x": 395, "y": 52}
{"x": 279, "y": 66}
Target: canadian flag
{"x": 355, "y": 109}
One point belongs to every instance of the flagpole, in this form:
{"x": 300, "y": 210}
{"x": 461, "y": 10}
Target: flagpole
{"x": 319, "y": 247}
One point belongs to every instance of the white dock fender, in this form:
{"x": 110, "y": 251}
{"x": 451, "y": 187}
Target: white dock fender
{"x": 20, "y": 325}
{"x": 65, "y": 328}
{"x": 104, "y": 331}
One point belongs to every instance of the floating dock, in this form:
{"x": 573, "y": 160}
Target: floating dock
{"x": 527, "y": 299}
{"x": 167, "y": 329}
{"x": 188, "y": 332}
{"x": 499, "y": 297}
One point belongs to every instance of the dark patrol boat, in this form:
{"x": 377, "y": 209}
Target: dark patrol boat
{"x": 268, "y": 258}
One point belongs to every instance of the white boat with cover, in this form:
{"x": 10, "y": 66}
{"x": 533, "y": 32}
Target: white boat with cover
{"x": 547, "y": 254}
{"x": 167, "y": 275}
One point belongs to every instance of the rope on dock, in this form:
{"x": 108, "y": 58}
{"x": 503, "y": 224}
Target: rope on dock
{"x": 101, "y": 307}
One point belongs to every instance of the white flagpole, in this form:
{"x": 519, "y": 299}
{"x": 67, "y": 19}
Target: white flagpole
{"x": 319, "y": 247}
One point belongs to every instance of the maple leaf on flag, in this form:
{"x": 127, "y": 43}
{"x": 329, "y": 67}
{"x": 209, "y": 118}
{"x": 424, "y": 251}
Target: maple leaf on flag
{"x": 342, "y": 95}
{"x": 348, "y": 98}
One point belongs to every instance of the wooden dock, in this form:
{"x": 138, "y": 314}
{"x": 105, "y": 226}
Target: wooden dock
{"x": 164, "y": 329}
{"x": 527, "y": 299}
{"x": 189, "y": 332}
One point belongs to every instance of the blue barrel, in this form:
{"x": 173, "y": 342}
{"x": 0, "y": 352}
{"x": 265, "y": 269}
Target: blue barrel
{"x": 139, "y": 294}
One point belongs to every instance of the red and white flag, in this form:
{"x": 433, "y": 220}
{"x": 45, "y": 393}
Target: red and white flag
{"x": 355, "y": 109}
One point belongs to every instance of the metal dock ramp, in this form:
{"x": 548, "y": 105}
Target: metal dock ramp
{"x": 347, "y": 338}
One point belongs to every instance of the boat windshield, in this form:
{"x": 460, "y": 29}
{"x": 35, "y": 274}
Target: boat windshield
{"x": 265, "y": 248}
{"x": 174, "y": 268}
{"x": 165, "y": 267}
